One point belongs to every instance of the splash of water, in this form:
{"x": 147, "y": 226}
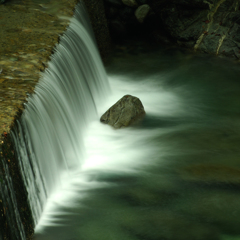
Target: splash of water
{"x": 49, "y": 136}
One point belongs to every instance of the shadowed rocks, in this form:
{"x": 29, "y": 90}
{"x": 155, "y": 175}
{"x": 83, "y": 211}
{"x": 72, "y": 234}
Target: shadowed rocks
{"x": 208, "y": 26}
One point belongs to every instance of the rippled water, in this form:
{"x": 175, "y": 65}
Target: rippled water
{"x": 173, "y": 176}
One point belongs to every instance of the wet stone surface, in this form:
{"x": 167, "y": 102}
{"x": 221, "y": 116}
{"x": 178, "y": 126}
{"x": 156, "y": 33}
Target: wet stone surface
{"x": 29, "y": 31}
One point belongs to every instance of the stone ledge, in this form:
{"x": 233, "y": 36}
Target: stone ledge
{"x": 30, "y": 32}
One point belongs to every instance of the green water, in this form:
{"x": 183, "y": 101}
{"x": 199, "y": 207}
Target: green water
{"x": 189, "y": 188}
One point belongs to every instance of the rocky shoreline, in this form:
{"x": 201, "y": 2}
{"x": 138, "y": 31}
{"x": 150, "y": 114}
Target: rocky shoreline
{"x": 211, "y": 27}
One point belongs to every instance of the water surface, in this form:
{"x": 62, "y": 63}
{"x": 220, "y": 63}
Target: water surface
{"x": 173, "y": 176}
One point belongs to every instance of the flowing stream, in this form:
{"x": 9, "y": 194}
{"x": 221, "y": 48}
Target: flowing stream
{"x": 173, "y": 176}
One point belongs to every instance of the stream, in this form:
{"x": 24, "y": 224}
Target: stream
{"x": 173, "y": 176}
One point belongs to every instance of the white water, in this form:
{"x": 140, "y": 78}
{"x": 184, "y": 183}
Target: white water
{"x": 9, "y": 196}
{"x": 49, "y": 137}
{"x": 163, "y": 205}
{"x": 60, "y": 141}
{"x": 110, "y": 151}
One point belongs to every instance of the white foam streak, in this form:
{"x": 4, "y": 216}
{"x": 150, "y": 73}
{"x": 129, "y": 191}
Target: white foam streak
{"x": 155, "y": 97}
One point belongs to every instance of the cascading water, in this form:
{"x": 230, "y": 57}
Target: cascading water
{"x": 9, "y": 196}
{"x": 48, "y": 137}
{"x": 175, "y": 175}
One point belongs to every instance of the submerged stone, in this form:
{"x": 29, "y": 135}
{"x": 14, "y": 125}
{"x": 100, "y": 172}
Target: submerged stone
{"x": 124, "y": 112}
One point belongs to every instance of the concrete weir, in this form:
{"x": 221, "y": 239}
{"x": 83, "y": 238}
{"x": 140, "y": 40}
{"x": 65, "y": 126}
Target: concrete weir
{"x": 25, "y": 51}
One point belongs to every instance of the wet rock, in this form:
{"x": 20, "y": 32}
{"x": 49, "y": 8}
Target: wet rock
{"x": 130, "y": 3}
{"x": 96, "y": 11}
{"x": 124, "y": 112}
{"x": 142, "y": 12}
{"x": 209, "y": 26}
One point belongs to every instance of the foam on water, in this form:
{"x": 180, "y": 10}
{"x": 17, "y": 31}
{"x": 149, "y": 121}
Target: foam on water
{"x": 59, "y": 139}
{"x": 110, "y": 151}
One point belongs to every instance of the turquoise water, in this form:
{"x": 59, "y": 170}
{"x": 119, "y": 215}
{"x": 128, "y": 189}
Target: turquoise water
{"x": 173, "y": 176}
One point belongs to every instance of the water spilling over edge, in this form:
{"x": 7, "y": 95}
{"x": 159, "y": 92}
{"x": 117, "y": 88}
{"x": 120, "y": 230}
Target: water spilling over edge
{"x": 48, "y": 137}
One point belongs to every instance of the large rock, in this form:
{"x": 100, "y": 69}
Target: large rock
{"x": 124, "y": 112}
{"x": 211, "y": 26}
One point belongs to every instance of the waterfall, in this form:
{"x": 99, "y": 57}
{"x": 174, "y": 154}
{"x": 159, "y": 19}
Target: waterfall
{"x": 49, "y": 135}
{"x": 9, "y": 197}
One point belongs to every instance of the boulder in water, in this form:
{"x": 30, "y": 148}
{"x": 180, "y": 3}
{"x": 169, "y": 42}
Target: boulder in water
{"x": 124, "y": 112}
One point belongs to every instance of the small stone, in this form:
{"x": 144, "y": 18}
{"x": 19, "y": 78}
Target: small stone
{"x": 130, "y": 3}
{"x": 142, "y": 12}
{"x": 124, "y": 112}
